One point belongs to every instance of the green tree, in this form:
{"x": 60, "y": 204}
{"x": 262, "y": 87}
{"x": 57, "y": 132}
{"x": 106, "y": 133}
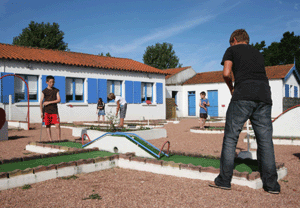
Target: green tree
{"x": 284, "y": 52}
{"x": 108, "y": 54}
{"x": 161, "y": 56}
{"x": 42, "y": 35}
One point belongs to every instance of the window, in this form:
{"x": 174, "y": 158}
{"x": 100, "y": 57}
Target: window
{"x": 114, "y": 87}
{"x": 74, "y": 90}
{"x": 19, "y": 87}
{"x": 147, "y": 92}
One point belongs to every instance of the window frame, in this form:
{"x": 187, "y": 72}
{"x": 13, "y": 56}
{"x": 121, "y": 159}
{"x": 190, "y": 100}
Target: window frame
{"x": 145, "y": 84}
{"x": 25, "y": 92}
{"x": 74, "y": 90}
{"x": 113, "y": 88}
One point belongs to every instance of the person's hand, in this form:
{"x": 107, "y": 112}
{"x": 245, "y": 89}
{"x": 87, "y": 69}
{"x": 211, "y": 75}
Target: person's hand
{"x": 232, "y": 91}
{"x": 42, "y": 115}
{"x": 205, "y": 109}
{"x": 46, "y": 103}
{"x": 117, "y": 114}
{"x": 204, "y": 103}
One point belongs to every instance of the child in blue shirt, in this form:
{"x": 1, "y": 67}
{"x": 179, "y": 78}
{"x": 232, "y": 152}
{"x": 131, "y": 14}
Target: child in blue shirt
{"x": 204, "y": 103}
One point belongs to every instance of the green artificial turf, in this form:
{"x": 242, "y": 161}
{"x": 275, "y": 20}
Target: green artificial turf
{"x": 68, "y": 144}
{"x": 240, "y": 165}
{"x": 52, "y": 160}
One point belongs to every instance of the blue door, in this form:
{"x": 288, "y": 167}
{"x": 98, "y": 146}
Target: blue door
{"x": 192, "y": 103}
{"x": 212, "y": 96}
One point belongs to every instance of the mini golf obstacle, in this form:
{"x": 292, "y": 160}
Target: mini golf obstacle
{"x": 287, "y": 124}
{"x": 120, "y": 142}
{"x": 3, "y": 125}
{"x": 286, "y": 128}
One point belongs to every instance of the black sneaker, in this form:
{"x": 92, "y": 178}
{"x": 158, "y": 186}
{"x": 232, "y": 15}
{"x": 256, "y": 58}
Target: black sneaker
{"x": 220, "y": 187}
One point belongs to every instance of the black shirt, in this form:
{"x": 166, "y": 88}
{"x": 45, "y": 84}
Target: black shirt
{"x": 250, "y": 79}
{"x": 101, "y": 106}
{"x": 50, "y": 95}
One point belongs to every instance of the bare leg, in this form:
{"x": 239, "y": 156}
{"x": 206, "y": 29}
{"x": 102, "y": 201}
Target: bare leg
{"x": 98, "y": 118}
{"x": 203, "y": 122}
{"x": 58, "y": 131}
{"x": 121, "y": 122}
{"x": 103, "y": 118}
{"x": 49, "y": 132}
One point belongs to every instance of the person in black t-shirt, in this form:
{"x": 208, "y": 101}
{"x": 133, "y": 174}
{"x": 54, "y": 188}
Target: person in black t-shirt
{"x": 49, "y": 111}
{"x": 251, "y": 99}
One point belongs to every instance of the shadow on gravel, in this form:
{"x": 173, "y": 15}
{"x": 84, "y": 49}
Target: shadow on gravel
{"x": 297, "y": 155}
{"x": 16, "y": 137}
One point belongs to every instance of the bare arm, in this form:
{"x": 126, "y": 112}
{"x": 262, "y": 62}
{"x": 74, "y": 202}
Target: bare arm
{"x": 207, "y": 104}
{"x": 118, "y": 107}
{"x": 54, "y": 101}
{"x": 227, "y": 75}
{"x": 41, "y": 104}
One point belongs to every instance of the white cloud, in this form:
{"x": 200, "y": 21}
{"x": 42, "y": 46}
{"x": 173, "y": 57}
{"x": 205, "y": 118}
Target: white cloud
{"x": 296, "y": 6}
{"x": 160, "y": 34}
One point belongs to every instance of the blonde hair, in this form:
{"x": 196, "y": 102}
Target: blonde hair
{"x": 111, "y": 96}
{"x": 240, "y": 35}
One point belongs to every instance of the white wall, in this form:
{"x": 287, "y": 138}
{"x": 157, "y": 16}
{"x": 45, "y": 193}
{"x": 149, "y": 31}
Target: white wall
{"x": 179, "y": 90}
{"x": 277, "y": 96}
{"x": 83, "y": 111}
{"x": 291, "y": 81}
{"x": 181, "y": 76}
{"x": 224, "y": 96}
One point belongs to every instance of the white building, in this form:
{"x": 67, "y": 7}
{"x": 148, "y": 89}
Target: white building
{"x": 81, "y": 79}
{"x": 284, "y": 81}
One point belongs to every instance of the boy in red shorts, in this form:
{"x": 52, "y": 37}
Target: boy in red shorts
{"x": 51, "y": 96}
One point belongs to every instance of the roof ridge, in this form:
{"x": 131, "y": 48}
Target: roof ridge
{"x": 47, "y": 49}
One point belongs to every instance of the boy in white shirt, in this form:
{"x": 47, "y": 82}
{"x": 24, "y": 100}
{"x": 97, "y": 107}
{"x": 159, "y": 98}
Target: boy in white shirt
{"x": 121, "y": 105}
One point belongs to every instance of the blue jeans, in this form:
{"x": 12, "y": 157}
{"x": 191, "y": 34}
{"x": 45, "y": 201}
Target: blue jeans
{"x": 259, "y": 114}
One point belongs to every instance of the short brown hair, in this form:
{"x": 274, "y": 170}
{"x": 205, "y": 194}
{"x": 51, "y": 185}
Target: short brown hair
{"x": 49, "y": 77}
{"x": 111, "y": 96}
{"x": 240, "y": 35}
{"x": 202, "y": 93}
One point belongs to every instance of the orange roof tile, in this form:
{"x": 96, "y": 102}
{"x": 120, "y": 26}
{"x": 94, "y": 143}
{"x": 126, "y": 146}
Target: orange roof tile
{"x": 8, "y": 51}
{"x": 175, "y": 71}
{"x": 273, "y": 72}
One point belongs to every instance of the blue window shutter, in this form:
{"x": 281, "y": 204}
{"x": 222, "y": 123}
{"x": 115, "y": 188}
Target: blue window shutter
{"x": 7, "y": 88}
{"x": 102, "y": 90}
{"x": 92, "y": 90}
{"x": 295, "y": 91}
{"x": 129, "y": 91}
{"x": 44, "y": 84}
{"x": 137, "y": 92}
{"x": 287, "y": 90}
{"x": 60, "y": 83}
{"x": 159, "y": 93}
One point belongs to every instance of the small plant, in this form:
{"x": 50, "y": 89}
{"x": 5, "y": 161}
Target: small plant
{"x": 69, "y": 177}
{"x": 26, "y": 153}
{"x": 284, "y": 180}
{"x": 26, "y": 186}
{"x": 93, "y": 196}
{"x": 112, "y": 119}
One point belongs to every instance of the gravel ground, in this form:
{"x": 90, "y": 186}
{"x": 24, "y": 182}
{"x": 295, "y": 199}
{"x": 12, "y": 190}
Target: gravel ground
{"x": 128, "y": 188}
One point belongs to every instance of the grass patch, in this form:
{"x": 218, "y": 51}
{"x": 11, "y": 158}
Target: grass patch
{"x": 52, "y": 160}
{"x": 68, "y": 144}
{"x": 26, "y": 186}
{"x": 93, "y": 196}
{"x": 239, "y": 165}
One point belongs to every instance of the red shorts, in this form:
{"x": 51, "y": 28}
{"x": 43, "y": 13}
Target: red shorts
{"x": 51, "y": 119}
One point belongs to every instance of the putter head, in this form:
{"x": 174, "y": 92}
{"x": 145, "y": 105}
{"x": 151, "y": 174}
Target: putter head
{"x": 245, "y": 155}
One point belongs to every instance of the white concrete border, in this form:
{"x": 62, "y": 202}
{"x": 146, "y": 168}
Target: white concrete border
{"x": 21, "y": 180}
{"x": 17, "y": 181}
{"x": 295, "y": 142}
{"x": 18, "y": 124}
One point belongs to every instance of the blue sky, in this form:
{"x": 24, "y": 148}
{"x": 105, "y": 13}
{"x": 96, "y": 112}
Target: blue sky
{"x": 198, "y": 30}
